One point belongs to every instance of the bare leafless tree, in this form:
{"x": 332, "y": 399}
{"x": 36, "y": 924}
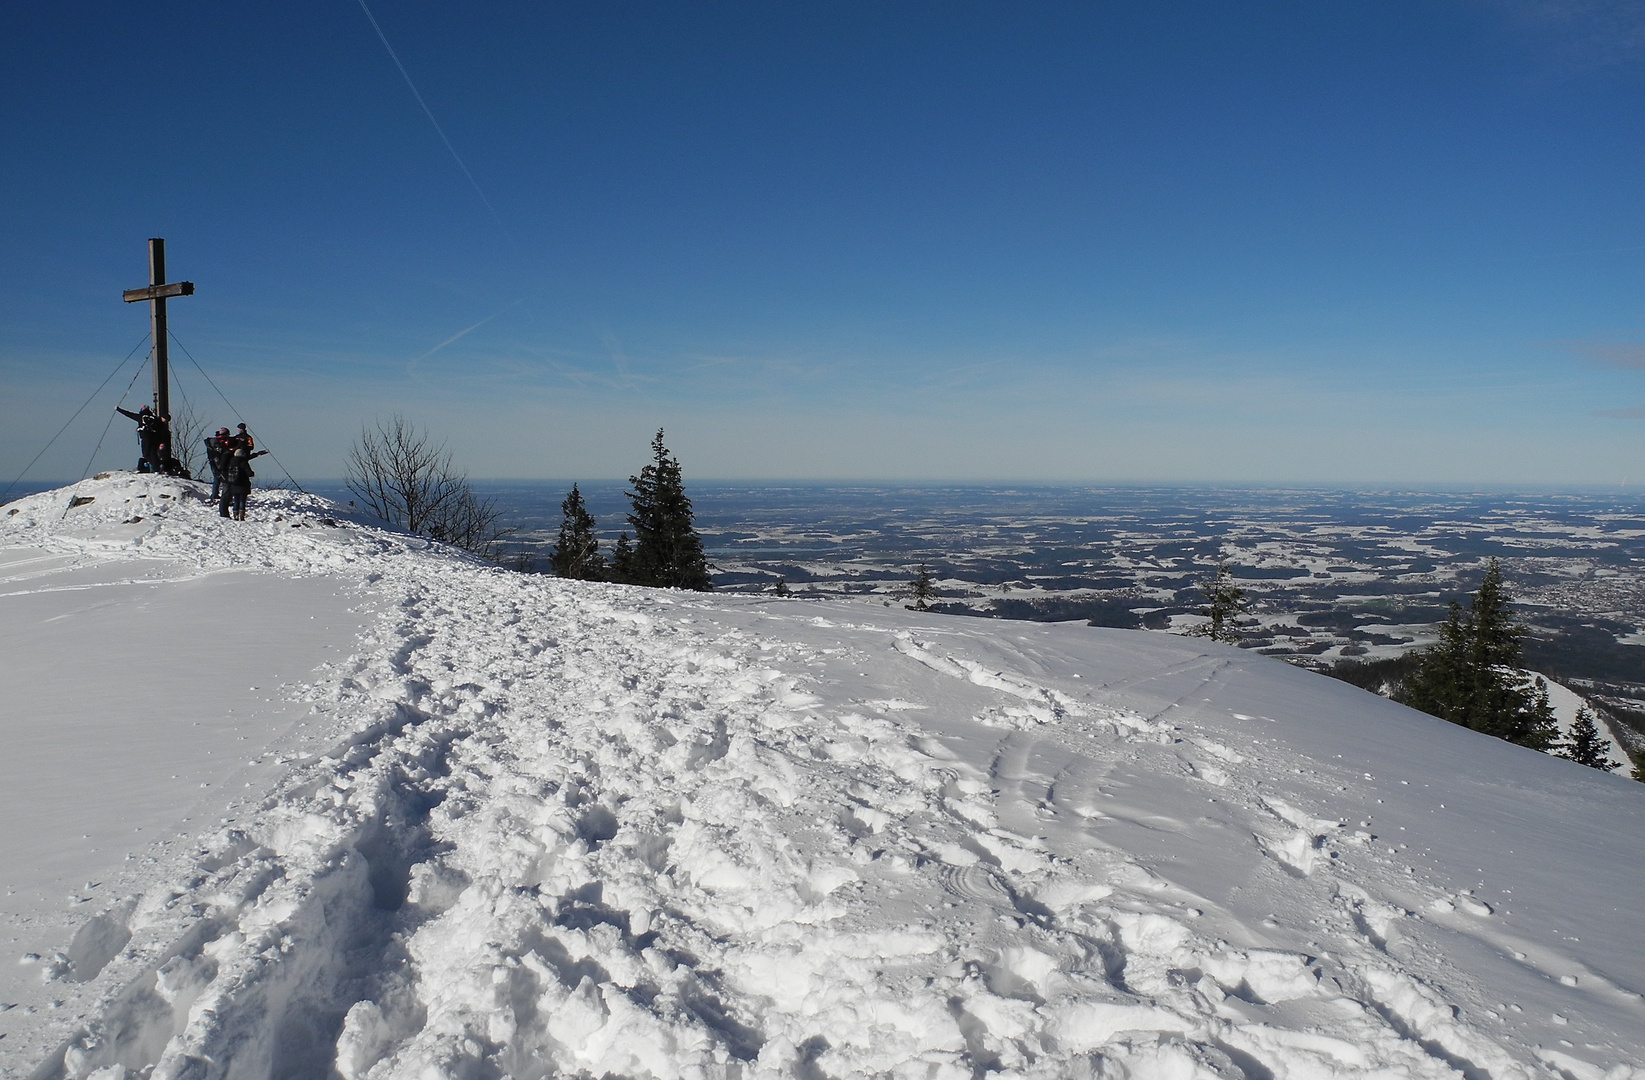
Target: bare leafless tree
{"x": 470, "y": 522}
{"x": 187, "y": 438}
{"x": 404, "y": 477}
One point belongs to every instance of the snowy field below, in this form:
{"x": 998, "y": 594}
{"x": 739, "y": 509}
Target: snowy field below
{"x": 550, "y": 828}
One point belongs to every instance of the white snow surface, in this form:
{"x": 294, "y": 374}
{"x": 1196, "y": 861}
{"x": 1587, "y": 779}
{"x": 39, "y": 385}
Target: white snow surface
{"x": 466, "y": 823}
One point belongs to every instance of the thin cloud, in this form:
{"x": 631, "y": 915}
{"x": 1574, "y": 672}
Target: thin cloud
{"x": 411, "y": 365}
{"x": 1616, "y": 354}
{"x": 1581, "y": 35}
{"x": 619, "y": 360}
{"x": 438, "y": 130}
{"x": 1635, "y": 413}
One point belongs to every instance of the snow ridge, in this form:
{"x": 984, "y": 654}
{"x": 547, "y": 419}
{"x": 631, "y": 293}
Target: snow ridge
{"x": 583, "y": 830}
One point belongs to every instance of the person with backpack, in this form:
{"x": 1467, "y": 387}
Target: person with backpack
{"x": 237, "y": 477}
{"x": 217, "y": 451}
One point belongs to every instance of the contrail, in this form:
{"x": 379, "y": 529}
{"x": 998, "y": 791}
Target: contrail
{"x": 437, "y": 128}
{"x": 460, "y": 334}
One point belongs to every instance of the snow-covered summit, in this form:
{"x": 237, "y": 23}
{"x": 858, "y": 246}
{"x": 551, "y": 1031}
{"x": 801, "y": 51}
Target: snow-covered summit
{"x": 467, "y": 823}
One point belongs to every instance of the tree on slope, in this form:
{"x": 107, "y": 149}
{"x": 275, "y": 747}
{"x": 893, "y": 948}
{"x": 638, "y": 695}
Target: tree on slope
{"x": 923, "y": 589}
{"x": 1585, "y": 745}
{"x": 1471, "y": 675}
{"x": 622, "y": 560}
{"x": 408, "y": 480}
{"x": 667, "y": 552}
{"x": 1223, "y": 603}
{"x": 577, "y": 552}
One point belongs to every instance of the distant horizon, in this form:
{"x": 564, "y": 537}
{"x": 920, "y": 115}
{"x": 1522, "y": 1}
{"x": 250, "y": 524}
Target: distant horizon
{"x": 1345, "y": 487}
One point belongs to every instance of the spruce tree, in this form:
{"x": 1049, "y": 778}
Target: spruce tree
{"x": 1435, "y": 686}
{"x": 1534, "y": 724}
{"x": 577, "y": 553}
{"x": 622, "y": 561}
{"x": 667, "y": 552}
{"x": 1496, "y": 633}
{"x": 1585, "y": 745}
{"x": 923, "y": 589}
{"x": 782, "y": 588}
{"x": 1223, "y": 604}
{"x": 1471, "y": 675}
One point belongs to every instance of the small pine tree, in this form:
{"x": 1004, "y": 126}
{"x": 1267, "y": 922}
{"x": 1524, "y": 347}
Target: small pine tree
{"x": 622, "y": 561}
{"x": 923, "y": 589}
{"x": 667, "y": 552}
{"x": 577, "y": 552}
{"x": 1471, "y": 675}
{"x": 1435, "y": 686}
{"x": 1585, "y": 746}
{"x": 1223, "y": 604}
{"x": 782, "y": 588}
{"x": 1534, "y": 725}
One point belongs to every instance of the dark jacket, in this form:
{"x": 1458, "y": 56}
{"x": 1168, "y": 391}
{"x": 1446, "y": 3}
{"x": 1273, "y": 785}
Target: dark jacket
{"x": 217, "y": 452}
{"x": 236, "y": 468}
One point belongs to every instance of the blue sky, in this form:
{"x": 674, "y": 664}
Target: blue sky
{"x": 1150, "y": 241}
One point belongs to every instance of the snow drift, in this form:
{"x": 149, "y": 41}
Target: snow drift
{"x": 486, "y": 825}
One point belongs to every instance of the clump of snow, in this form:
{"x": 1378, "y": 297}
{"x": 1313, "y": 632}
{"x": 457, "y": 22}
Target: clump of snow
{"x": 552, "y": 828}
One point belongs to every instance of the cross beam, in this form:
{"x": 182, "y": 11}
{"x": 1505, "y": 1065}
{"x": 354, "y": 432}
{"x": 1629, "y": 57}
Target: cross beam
{"x": 156, "y": 294}
{"x": 160, "y": 292}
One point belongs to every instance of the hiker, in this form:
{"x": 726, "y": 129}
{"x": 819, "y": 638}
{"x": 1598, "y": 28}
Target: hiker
{"x": 170, "y": 464}
{"x": 237, "y": 476}
{"x": 217, "y": 451}
{"x": 151, "y": 437}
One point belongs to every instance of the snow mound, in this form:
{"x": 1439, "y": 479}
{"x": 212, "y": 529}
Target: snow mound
{"x": 562, "y": 829}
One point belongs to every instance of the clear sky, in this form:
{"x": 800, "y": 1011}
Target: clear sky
{"x": 1174, "y": 241}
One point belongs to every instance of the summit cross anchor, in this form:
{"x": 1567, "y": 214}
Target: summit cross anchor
{"x": 156, "y": 294}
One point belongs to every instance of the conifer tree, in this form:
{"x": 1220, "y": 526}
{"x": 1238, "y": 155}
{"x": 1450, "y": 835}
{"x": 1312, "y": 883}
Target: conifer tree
{"x": 667, "y": 551}
{"x": 923, "y": 589}
{"x": 1223, "y": 603}
{"x": 622, "y": 561}
{"x": 782, "y": 588}
{"x": 1471, "y": 675}
{"x": 1535, "y": 725}
{"x": 1585, "y": 746}
{"x": 577, "y": 553}
{"x": 1436, "y": 684}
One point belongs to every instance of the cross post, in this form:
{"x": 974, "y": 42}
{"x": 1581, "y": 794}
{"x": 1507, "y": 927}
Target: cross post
{"x": 156, "y": 294}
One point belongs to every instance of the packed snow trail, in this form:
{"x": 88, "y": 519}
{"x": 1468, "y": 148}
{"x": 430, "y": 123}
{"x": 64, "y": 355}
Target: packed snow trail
{"x": 580, "y": 830}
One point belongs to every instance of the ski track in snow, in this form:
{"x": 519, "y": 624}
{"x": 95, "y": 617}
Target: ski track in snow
{"x": 583, "y": 830}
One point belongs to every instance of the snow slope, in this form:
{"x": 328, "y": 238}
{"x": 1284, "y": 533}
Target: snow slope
{"x": 1566, "y": 704}
{"x": 558, "y": 829}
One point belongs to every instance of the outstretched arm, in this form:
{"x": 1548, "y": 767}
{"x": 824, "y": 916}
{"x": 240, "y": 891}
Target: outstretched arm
{"x": 127, "y": 412}
{"x": 259, "y": 453}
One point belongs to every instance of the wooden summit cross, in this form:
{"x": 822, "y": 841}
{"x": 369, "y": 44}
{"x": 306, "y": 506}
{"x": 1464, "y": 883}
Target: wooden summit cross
{"x": 156, "y": 294}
